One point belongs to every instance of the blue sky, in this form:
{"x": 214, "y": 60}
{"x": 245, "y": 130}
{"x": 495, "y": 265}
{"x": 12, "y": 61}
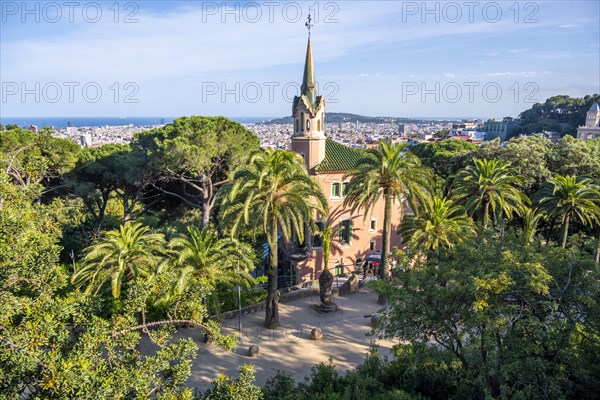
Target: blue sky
{"x": 384, "y": 58}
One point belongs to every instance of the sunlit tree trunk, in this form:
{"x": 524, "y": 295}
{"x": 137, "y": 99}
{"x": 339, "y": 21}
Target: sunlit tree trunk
{"x": 272, "y": 306}
{"x": 206, "y": 205}
{"x": 387, "y": 224}
{"x": 598, "y": 249}
{"x": 127, "y": 209}
{"x": 486, "y": 215}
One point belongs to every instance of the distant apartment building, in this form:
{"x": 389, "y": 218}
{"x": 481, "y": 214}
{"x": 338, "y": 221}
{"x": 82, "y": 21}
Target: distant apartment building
{"x": 591, "y": 129}
{"x": 465, "y": 131}
{"x": 458, "y": 127}
{"x": 328, "y": 162}
{"x": 85, "y": 140}
{"x": 71, "y": 131}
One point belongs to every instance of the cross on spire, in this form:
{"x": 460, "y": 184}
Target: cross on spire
{"x": 308, "y": 24}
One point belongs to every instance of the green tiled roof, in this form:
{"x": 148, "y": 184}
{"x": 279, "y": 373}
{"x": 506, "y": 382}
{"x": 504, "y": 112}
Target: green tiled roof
{"x": 339, "y": 157}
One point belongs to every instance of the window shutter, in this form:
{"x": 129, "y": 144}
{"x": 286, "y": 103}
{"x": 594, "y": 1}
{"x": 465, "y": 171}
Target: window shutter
{"x": 350, "y": 231}
{"x": 335, "y": 190}
{"x": 341, "y": 232}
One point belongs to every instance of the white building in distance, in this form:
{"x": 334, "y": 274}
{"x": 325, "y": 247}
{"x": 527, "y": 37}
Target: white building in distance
{"x": 591, "y": 129}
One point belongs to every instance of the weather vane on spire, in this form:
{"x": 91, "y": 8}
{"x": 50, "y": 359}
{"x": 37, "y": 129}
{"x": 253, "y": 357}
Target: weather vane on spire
{"x": 308, "y": 24}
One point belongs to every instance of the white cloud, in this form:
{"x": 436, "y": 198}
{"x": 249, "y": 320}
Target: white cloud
{"x": 170, "y": 53}
{"x": 523, "y": 74}
{"x": 186, "y": 42}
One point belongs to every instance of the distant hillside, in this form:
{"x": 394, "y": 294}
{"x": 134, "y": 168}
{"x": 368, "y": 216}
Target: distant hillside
{"x": 337, "y": 117}
{"x": 558, "y": 113}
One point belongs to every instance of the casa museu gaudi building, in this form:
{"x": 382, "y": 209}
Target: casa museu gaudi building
{"x": 328, "y": 161}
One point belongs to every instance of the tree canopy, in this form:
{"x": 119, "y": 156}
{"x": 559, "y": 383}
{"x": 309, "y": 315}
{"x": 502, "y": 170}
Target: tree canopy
{"x": 54, "y": 342}
{"x": 193, "y": 156}
{"x": 512, "y": 320}
{"x": 31, "y": 159}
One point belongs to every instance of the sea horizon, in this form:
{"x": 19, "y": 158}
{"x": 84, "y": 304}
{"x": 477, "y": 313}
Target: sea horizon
{"x": 80, "y": 122}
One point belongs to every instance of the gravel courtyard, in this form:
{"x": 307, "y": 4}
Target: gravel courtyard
{"x": 290, "y": 348}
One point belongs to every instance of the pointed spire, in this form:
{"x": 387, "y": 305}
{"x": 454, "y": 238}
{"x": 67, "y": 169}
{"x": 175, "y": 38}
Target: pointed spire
{"x": 308, "y": 81}
{"x": 308, "y": 90}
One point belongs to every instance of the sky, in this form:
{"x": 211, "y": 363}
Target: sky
{"x": 472, "y": 59}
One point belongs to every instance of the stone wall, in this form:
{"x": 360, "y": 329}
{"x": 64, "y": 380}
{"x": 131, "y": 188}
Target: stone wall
{"x": 287, "y": 295}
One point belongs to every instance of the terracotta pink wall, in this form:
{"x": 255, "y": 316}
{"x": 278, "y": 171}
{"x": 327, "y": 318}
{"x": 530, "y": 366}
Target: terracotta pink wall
{"x": 362, "y": 235}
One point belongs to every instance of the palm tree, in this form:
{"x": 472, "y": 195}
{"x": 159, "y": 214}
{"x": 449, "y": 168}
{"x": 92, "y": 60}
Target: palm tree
{"x": 129, "y": 252}
{"x": 326, "y": 276}
{"x": 531, "y": 219}
{"x": 489, "y": 186}
{"x": 327, "y": 235}
{"x": 440, "y": 224}
{"x": 273, "y": 192}
{"x": 389, "y": 173}
{"x": 202, "y": 255}
{"x": 568, "y": 198}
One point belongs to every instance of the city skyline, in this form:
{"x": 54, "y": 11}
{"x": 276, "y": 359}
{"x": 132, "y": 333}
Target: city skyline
{"x": 401, "y": 59}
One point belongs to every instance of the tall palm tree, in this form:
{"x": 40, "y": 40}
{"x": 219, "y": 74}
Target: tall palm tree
{"x": 327, "y": 235}
{"x": 439, "y": 224}
{"x": 202, "y": 255}
{"x": 489, "y": 186}
{"x": 389, "y": 173}
{"x": 568, "y": 198}
{"x": 273, "y": 192}
{"x": 129, "y": 252}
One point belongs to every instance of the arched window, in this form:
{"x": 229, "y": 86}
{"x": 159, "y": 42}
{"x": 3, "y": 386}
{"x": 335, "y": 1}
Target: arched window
{"x": 296, "y": 124}
{"x": 319, "y": 125}
{"x": 302, "y": 121}
{"x": 308, "y": 124}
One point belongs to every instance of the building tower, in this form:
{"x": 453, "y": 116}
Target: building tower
{"x": 329, "y": 163}
{"x": 308, "y": 112}
{"x": 593, "y": 116}
{"x": 591, "y": 129}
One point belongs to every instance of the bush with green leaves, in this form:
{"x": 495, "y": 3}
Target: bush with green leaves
{"x": 241, "y": 388}
{"x": 54, "y": 341}
{"x": 511, "y": 319}
{"x": 369, "y": 381}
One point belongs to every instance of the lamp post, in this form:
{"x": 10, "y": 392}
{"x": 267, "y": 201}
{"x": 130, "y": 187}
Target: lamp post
{"x": 72, "y": 255}
{"x": 239, "y": 300}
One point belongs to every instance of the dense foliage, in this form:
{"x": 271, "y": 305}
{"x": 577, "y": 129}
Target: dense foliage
{"x": 105, "y": 251}
{"x": 56, "y": 342}
{"x": 516, "y": 320}
{"x": 112, "y": 340}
